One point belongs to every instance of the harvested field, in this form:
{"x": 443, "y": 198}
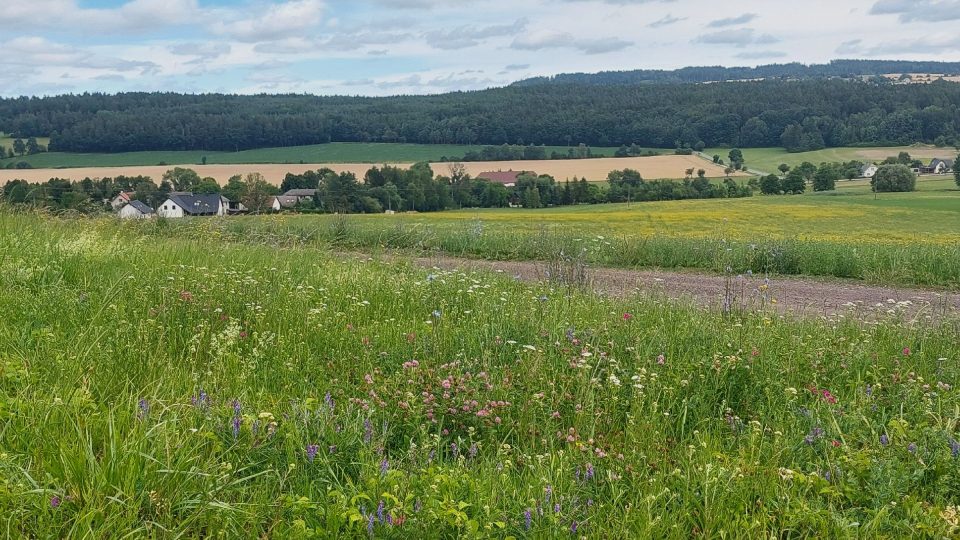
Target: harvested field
{"x": 593, "y": 169}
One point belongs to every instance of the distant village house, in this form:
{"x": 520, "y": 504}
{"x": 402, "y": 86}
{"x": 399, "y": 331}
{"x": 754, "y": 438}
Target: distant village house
{"x": 179, "y": 205}
{"x": 507, "y": 178}
{"x": 135, "y": 210}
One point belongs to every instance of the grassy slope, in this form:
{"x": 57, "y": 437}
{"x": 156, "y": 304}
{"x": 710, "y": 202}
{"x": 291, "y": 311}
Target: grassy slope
{"x": 768, "y": 159}
{"x": 320, "y": 153}
{"x": 174, "y": 387}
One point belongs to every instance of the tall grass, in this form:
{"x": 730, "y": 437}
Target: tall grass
{"x": 174, "y": 385}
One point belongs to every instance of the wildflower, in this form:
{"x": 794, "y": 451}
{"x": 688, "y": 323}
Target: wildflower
{"x": 589, "y": 473}
{"x": 236, "y": 426}
{"x": 835, "y": 443}
{"x": 202, "y": 400}
{"x": 236, "y": 406}
{"x": 55, "y": 501}
{"x": 367, "y": 431}
{"x": 556, "y": 508}
{"x": 549, "y": 492}
{"x": 455, "y": 450}
{"x": 627, "y": 316}
{"x": 573, "y": 527}
{"x": 912, "y": 448}
{"x": 473, "y": 451}
{"x": 884, "y": 440}
{"x": 555, "y": 414}
{"x": 527, "y": 518}
{"x": 333, "y": 449}
{"x": 954, "y": 447}
{"x": 431, "y": 277}
{"x": 869, "y": 390}
{"x": 417, "y": 505}
{"x": 312, "y": 452}
{"x": 829, "y": 398}
{"x": 906, "y": 351}
{"x": 144, "y": 408}
{"x": 186, "y": 296}
{"x": 370, "y": 524}
{"x": 814, "y": 434}
{"x": 661, "y": 359}
{"x": 384, "y": 466}
{"x": 328, "y": 399}
{"x": 380, "y": 511}
{"x": 436, "y": 314}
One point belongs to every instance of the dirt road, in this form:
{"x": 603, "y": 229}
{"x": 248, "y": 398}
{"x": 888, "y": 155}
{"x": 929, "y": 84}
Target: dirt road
{"x": 798, "y": 296}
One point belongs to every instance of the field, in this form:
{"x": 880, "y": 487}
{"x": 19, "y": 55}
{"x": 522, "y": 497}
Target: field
{"x": 768, "y": 159}
{"x": 7, "y": 143}
{"x": 158, "y": 385}
{"x": 596, "y": 170}
{"x": 318, "y": 153}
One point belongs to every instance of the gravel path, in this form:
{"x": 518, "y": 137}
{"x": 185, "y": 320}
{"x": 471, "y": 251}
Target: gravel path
{"x": 798, "y": 296}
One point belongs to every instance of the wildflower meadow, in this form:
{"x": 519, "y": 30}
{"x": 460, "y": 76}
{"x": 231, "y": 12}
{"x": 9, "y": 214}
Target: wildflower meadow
{"x": 189, "y": 385}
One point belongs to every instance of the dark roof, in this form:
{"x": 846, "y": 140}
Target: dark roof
{"x": 501, "y": 177}
{"x": 287, "y": 201}
{"x": 197, "y": 205}
{"x": 936, "y": 161}
{"x": 301, "y": 193}
{"x": 142, "y": 208}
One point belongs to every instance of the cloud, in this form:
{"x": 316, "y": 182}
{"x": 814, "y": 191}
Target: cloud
{"x": 760, "y": 55}
{"x": 921, "y": 46}
{"x": 733, "y": 21}
{"x": 666, "y": 20}
{"x": 516, "y": 67}
{"x": 201, "y": 52}
{"x": 918, "y": 10}
{"x": 736, "y": 38}
{"x": 38, "y": 51}
{"x": 558, "y": 40}
{"x": 69, "y": 17}
{"x": 471, "y": 36}
{"x": 277, "y": 22}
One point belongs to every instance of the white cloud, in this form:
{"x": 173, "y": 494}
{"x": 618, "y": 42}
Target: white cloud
{"x": 558, "y": 40}
{"x": 277, "y": 21}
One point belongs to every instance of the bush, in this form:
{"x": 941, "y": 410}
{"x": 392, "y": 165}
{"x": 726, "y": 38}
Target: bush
{"x": 795, "y": 183}
{"x": 770, "y": 185}
{"x": 894, "y": 178}
{"x": 825, "y": 179}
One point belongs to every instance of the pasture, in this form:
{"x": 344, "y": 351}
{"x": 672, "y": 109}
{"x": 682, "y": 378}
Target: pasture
{"x": 157, "y": 383}
{"x": 768, "y": 159}
{"x": 595, "y": 170}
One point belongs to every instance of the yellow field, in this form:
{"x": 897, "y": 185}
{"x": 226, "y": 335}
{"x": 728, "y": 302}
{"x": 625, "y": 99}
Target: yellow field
{"x": 595, "y": 170}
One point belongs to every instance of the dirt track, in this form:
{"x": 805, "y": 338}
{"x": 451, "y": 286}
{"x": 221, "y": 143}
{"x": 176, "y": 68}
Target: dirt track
{"x": 797, "y": 296}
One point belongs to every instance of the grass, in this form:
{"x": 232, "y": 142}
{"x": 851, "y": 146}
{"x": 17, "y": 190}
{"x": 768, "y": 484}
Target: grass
{"x": 319, "y": 153}
{"x": 907, "y": 239}
{"x": 768, "y": 159}
{"x": 159, "y": 386}
{"x": 7, "y": 143}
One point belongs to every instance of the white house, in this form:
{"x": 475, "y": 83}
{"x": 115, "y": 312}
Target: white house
{"x": 301, "y": 194}
{"x": 188, "y": 204}
{"x": 121, "y": 200}
{"x": 135, "y": 210}
{"x": 280, "y": 202}
{"x": 869, "y": 171}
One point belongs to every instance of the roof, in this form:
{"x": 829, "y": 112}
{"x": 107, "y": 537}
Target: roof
{"x": 501, "y": 177}
{"x": 124, "y": 195}
{"x": 301, "y": 193}
{"x": 947, "y": 162}
{"x": 140, "y": 207}
{"x": 287, "y": 201}
{"x": 197, "y": 205}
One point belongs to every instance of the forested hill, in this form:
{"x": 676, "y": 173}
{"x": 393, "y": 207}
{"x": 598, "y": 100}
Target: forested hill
{"x": 844, "y": 69}
{"x": 799, "y": 115}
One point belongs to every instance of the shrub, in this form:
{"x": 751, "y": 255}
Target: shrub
{"x": 795, "y": 183}
{"x": 770, "y": 185}
{"x": 894, "y": 178}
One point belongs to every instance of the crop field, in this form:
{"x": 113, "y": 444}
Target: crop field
{"x": 908, "y": 238}
{"x": 768, "y": 159}
{"x": 593, "y": 169}
{"x": 158, "y": 384}
{"x": 318, "y": 153}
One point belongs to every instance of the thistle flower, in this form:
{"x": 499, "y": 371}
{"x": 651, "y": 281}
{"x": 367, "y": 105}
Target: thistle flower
{"x": 312, "y": 450}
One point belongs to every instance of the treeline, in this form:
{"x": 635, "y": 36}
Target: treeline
{"x": 802, "y": 115}
{"x": 381, "y": 189}
{"x": 517, "y": 152}
{"x": 794, "y": 70}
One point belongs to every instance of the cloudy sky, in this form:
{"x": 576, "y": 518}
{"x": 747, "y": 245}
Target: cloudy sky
{"x": 378, "y": 47}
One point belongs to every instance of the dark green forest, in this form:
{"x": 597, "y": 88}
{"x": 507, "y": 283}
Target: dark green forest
{"x": 798, "y": 115}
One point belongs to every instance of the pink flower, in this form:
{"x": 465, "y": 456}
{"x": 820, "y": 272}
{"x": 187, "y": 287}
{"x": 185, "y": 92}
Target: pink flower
{"x": 445, "y": 383}
{"x": 906, "y": 351}
{"x": 828, "y": 397}
{"x": 627, "y": 316}
{"x": 661, "y": 359}
{"x": 556, "y": 414}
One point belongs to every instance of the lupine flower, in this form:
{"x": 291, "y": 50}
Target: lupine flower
{"x": 380, "y": 511}
{"x": 370, "y": 518}
{"x": 55, "y": 501}
{"x": 312, "y": 450}
{"x": 236, "y": 426}
{"x": 329, "y": 401}
{"x": 455, "y": 450}
{"x": 589, "y": 475}
{"x": 912, "y": 448}
{"x": 549, "y": 492}
{"x": 556, "y": 508}
{"x": 201, "y": 400}
{"x": 954, "y": 447}
{"x": 367, "y": 431}
{"x": 884, "y": 440}
{"x": 384, "y": 466}
{"x": 473, "y": 451}
{"x": 236, "y": 407}
{"x": 573, "y": 527}
{"x": 144, "y": 407}
{"x": 527, "y": 518}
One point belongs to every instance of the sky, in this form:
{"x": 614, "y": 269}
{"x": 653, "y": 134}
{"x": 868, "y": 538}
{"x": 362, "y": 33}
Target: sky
{"x": 386, "y": 47}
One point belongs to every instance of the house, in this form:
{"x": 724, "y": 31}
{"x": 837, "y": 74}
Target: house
{"x": 868, "y": 171}
{"x": 120, "y": 200}
{"x": 280, "y": 202}
{"x": 135, "y": 210}
{"x": 507, "y": 178}
{"x": 301, "y": 194}
{"x": 187, "y": 204}
{"x": 941, "y": 166}
{"x": 235, "y": 207}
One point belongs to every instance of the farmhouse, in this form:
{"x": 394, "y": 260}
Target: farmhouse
{"x": 284, "y": 201}
{"x": 188, "y": 204}
{"x": 120, "y": 200}
{"x": 938, "y": 166}
{"x": 507, "y": 178}
{"x": 135, "y": 210}
{"x": 301, "y": 194}
{"x": 869, "y": 171}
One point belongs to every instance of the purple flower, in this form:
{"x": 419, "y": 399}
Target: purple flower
{"x": 312, "y": 452}
{"x": 556, "y": 508}
{"x": 589, "y": 475}
{"x": 814, "y": 434}
{"x": 202, "y": 400}
{"x": 333, "y": 449}
{"x": 527, "y": 518}
{"x": 370, "y": 519}
{"x": 473, "y": 450}
{"x": 455, "y": 450}
{"x": 367, "y": 431}
{"x": 417, "y": 505}
{"x": 954, "y": 447}
{"x": 236, "y": 426}
{"x": 912, "y": 448}
{"x": 869, "y": 390}
{"x": 573, "y": 527}
{"x": 884, "y": 440}
{"x": 384, "y": 466}
{"x": 144, "y": 407}
{"x": 55, "y": 501}
{"x": 380, "y": 511}
{"x": 549, "y": 491}
{"x": 236, "y": 407}
{"x": 329, "y": 401}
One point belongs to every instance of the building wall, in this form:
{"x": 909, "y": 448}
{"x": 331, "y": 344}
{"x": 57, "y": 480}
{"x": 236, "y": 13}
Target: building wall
{"x": 129, "y": 212}
{"x": 169, "y": 209}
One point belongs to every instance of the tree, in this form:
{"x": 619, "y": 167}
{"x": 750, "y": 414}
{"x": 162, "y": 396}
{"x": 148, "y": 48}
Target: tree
{"x": 19, "y": 147}
{"x": 257, "y": 192}
{"x": 234, "y": 189}
{"x": 770, "y": 185}
{"x": 784, "y": 169}
{"x": 32, "y": 146}
{"x": 207, "y": 186}
{"x": 531, "y": 198}
{"x": 825, "y": 179}
{"x": 736, "y": 158}
{"x": 806, "y": 170}
{"x": 893, "y": 178}
{"x": 701, "y": 173}
{"x": 794, "y": 183}
{"x": 182, "y": 179}
{"x": 956, "y": 170}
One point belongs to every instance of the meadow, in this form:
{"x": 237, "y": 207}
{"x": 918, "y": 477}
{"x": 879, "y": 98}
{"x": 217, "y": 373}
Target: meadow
{"x": 767, "y": 160}
{"x": 164, "y": 385}
{"x": 318, "y": 153}
{"x": 906, "y": 238}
